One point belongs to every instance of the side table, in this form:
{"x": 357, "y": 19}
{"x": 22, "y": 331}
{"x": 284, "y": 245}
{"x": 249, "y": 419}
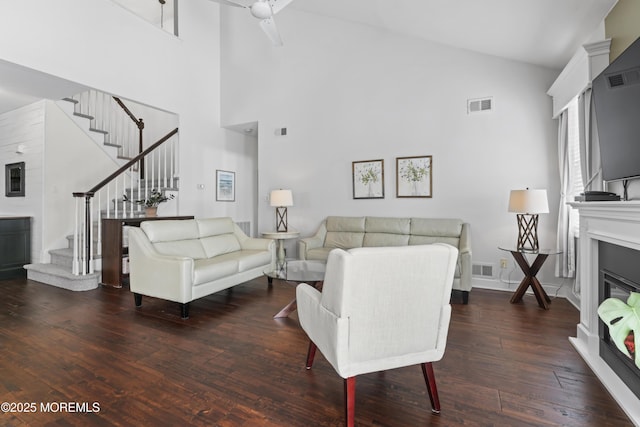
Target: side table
{"x": 281, "y": 236}
{"x": 530, "y": 271}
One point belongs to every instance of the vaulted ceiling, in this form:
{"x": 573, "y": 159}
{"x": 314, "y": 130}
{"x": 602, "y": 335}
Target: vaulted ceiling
{"x": 541, "y": 32}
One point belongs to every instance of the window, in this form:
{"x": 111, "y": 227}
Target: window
{"x": 576, "y": 186}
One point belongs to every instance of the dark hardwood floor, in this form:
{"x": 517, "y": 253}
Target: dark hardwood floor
{"x": 232, "y": 364}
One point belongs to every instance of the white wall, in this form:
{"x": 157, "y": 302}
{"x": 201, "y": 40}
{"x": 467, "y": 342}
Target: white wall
{"x": 25, "y": 127}
{"x": 100, "y": 45}
{"x": 349, "y": 92}
{"x": 66, "y": 170}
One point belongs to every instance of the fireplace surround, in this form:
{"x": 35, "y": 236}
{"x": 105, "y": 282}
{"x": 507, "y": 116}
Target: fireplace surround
{"x": 615, "y": 223}
{"x": 619, "y": 277}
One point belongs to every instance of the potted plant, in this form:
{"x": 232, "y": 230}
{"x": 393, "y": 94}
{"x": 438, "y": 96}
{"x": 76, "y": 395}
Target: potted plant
{"x": 152, "y": 201}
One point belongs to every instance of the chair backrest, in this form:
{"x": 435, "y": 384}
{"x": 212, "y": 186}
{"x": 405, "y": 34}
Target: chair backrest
{"x": 395, "y": 300}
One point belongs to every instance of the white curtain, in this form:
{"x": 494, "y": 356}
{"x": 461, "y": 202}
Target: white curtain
{"x": 565, "y": 265}
{"x": 589, "y": 147}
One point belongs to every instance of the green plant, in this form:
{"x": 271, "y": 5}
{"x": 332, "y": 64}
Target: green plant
{"x": 414, "y": 172}
{"x": 153, "y": 200}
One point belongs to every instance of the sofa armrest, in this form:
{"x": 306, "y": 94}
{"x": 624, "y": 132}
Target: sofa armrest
{"x": 153, "y": 274}
{"x": 313, "y": 242}
{"x": 465, "y": 257}
{"x": 258, "y": 244}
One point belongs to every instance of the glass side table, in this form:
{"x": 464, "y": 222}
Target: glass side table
{"x": 530, "y": 271}
{"x": 297, "y": 271}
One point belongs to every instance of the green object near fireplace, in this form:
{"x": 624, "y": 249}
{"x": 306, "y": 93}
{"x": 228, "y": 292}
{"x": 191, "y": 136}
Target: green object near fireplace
{"x": 623, "y": 319}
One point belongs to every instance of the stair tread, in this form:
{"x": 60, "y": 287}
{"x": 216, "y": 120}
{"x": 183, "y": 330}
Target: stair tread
{"x": 98, "y": 130}
{"x": 56, "y": 270}
{"x": 86, "y": 116}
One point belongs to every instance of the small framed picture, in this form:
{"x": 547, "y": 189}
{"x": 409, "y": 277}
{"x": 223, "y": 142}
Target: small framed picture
{"x": 368, "y": 179}
{"x": 225, "y": 186}
{"x": 413, "y": 176}
{"x": 14, "y": 178}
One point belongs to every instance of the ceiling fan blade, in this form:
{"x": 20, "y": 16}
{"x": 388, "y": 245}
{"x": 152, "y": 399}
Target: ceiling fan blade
{"x": 269, "y": 27}
{"x": 278, "y": 5}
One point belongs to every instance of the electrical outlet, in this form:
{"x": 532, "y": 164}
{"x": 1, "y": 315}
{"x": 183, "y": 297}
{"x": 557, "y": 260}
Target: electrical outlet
{"x": 503, "y": 263}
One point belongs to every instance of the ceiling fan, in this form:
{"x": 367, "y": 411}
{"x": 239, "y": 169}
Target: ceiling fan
{"x": 264, "y": 11}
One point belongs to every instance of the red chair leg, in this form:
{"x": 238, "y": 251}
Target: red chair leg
{"x": 311, "y": 354}
{"x": 350, "y": 399}
{"x": 430, "y": 379}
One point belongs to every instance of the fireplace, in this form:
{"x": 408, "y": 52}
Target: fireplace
{"x": 618, "y": 224}
{"x": 619, "y": 277}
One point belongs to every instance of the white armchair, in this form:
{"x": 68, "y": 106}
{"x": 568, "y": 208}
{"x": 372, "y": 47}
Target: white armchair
{"x": 380, "y": 308}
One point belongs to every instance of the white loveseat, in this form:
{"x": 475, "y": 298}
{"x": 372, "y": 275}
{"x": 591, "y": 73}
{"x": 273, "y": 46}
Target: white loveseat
{"x": 183, "y": 260}
{"x": 345, "y": 232}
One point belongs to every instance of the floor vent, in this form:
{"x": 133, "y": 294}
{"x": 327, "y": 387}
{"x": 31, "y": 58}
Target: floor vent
{"x": 482, "y": 270}
{"x": 479, "y": 105}
{"x": 245, "y": 226}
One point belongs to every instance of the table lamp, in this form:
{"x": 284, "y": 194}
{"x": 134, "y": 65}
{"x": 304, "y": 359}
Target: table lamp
{"x": 280, "y": 199}
{"x": 527, "y": 204}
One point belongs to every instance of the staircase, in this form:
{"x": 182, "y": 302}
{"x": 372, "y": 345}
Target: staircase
{"x": 72, "y": 267}
{"x": 59, "y": 273}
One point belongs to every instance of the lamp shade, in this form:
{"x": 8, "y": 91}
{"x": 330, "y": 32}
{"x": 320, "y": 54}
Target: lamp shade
{"x": 281, "y": 198}
{"x": 528, "y": 201}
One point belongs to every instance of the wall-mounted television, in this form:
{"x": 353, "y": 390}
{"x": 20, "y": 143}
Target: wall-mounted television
{"x": 616, "y": 97}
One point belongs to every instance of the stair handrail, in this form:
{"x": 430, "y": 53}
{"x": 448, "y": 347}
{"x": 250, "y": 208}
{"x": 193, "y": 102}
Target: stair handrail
{"x": 139, "y": 123}
{"x": 88, "y": 195}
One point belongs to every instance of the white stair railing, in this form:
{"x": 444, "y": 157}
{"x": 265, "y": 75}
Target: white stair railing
{"x": 109, "y": 116}
{"x": 106, "y": 200}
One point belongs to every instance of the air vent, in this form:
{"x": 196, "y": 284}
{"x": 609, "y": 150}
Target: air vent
{"x": 616, "y": 80}
{"x": 624, "y": 78}
{"x": 482, "y": 270}
{"x": 479, "y": 105}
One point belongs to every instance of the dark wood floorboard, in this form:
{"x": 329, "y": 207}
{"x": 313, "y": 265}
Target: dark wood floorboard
{"x": 232, "y": 364}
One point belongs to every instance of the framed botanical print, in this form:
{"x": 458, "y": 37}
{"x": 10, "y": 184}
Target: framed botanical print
{"x": 413, "y": 176}
{"x": 225, "y": 186}
{"x": 368, "y": 179}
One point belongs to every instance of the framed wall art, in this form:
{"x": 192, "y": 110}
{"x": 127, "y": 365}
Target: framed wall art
{"x": 14, "y": 179}
{"x": 368, "y": 179}
{"x": 413, "y": 176}
{"x": 225, "y": 186}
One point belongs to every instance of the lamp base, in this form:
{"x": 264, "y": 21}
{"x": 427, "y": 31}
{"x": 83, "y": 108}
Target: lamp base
{"x": 281, "y": 219}
{"x": 527, "y": 232}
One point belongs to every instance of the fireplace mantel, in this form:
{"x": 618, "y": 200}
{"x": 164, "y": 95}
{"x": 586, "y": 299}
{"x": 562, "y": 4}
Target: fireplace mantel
{"x": 617, "y": 223}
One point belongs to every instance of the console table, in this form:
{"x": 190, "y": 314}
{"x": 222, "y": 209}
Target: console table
{"x": 15, "y": 246}
{"x": 113, "y": 249}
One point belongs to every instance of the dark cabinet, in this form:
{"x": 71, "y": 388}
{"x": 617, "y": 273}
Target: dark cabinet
{"x": 114, "y": 254}
{"x": 15, "y": 246}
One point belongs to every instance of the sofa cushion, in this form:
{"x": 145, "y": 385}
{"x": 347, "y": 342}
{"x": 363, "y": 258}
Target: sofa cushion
{"x": 343, "y": 239}
{"x": 385, "y": 239}
{"x": 444, "y": 227}
{"x": 427, "y": 240}
{"x": 252, "y": 259}
{"x": 170, "y": 230}
{"x": 183, "y": 248}
{"x": 214, "y": 226}
{"x": 387, "y": 225}
{"x": 209, "y": 269}
{"x": 346, "y": 223}
{"x": 220, "y": 245}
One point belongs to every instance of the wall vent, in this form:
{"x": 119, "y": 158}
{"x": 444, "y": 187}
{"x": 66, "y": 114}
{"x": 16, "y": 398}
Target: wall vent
{"x": 482, "y": 270}
{"x": 479, "y": 105}
{"x": 245, "y": 226}
{"x": 624, "y": 78}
